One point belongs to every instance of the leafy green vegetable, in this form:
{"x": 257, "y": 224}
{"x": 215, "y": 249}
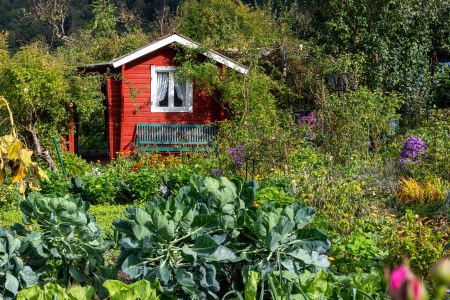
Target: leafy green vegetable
{"x": 194, "y": 242}
{"x": 141, "y": 289}
{"x": 326, "y": 285}
{"x": 52, "y": 291}
{"x": 69, "y": 243}
{"x": 13, "y": 274}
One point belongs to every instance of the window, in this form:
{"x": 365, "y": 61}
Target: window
{"x": 168, "y": 94}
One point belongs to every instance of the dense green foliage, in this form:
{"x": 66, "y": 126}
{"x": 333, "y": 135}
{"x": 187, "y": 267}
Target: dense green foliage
{"x": 225, "y": 24}
{"x": 367, "y": 119}
{"x": 34, "y": 83}
{"x": 68, "y": 243}
{"x": 196, "y": 240}
{"x": 15, "y": 275}
{"x": 344, "y": 109}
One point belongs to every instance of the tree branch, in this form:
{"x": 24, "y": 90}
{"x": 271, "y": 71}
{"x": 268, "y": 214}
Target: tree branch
{"x": 42, "y": 154}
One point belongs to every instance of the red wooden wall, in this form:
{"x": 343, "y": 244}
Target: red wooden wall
{"x": 129, "y": 102}
{"x": 114, "y": 95}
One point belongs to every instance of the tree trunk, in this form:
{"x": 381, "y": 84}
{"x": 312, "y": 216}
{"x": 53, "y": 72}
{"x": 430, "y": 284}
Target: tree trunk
{"x": 42, "y": 154}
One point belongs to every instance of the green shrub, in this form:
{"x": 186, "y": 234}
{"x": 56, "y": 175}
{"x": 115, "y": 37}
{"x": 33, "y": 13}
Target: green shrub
{"x": 100, "y": 188}
{"x": 411, "y": 238}
{"x": 275, "y": 195}
{"x": 358, "y": 251}
{"x": 67, "y": 244}
{"x": 75, "y": 165}
{"x": 119, "y": 168}
{"x": 9, "y": 195}
{"x": 358, "y": 120}
{"x": 206, "y": 235}
{"x": 57, "y": 185}
{"x": 13, "y": 274}
{"x": 342, "y": 201}
{"x": 143, "y": 185}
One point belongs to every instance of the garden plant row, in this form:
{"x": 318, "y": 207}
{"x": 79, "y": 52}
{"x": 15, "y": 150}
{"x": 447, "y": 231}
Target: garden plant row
{"x": 206, "y": 241}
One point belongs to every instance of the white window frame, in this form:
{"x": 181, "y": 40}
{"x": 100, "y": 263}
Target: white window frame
{"x": 171, "y": 90}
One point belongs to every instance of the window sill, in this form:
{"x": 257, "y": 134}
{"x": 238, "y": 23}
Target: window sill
{"x": 172, "y": 109}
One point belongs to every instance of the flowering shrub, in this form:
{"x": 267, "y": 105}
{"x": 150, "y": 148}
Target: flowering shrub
{"x": 308, "y": 122}
{"x": 413, "y": 150}
{"x": 411, "y": 237}
{"x": 238, "y": 155}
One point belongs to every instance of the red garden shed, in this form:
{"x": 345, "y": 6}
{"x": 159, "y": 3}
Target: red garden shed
{"x": 148, "y": 107}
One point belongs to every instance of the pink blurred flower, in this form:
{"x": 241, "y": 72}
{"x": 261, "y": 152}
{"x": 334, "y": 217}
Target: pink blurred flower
{"x": 416, "y": 291}
{"x": 404, "y": 285}
{"x": 398, "y": 276}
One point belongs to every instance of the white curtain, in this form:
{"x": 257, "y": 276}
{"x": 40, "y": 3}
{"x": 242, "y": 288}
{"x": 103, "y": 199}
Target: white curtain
{"x": 180, "y": 88}
{"x": 163, "y": 85}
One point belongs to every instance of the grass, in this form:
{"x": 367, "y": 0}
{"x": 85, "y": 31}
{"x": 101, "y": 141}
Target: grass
{"x": 104, "y": 214}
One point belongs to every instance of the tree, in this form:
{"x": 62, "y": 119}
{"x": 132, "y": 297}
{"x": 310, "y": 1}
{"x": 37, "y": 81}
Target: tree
{"x": 35, "y": 84}
{"x": 394, "y": 38}
{"x": 54, "y": 13}
{"x": 164, "y": 23}
{"x": 105, "y": 18}
{"x": 225, "y": 24}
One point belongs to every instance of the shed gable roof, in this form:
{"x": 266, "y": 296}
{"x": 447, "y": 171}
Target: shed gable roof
{"x": 167, "y": 40}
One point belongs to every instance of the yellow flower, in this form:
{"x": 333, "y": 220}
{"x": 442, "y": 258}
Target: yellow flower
{"x": 10, "y": 187}
{"x": 331, "y": 258}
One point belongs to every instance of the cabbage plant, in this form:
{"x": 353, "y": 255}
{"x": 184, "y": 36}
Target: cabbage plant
{"x": 68, "y": 244}
{"x": 13, "y": 274}
{"x": 202, "y": 242}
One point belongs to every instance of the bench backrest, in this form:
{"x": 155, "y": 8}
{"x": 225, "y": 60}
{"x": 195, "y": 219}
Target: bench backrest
{"x": 175, "y": 134}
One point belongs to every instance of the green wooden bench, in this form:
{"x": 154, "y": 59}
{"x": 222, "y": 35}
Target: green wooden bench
{"x": 175, "y": 137}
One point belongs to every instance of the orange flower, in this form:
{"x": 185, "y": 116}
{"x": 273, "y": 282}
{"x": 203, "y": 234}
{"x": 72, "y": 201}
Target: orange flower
{"x": 255, "y": 204}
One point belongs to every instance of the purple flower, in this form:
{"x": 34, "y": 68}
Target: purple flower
{"x": 217, "y": 172}
{"x": 238, "y": 155}
{"x": 413, "y": 150}
{"x": 309, "y": 120}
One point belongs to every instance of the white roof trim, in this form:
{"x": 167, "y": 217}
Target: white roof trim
{"x": 175, "y": 38}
